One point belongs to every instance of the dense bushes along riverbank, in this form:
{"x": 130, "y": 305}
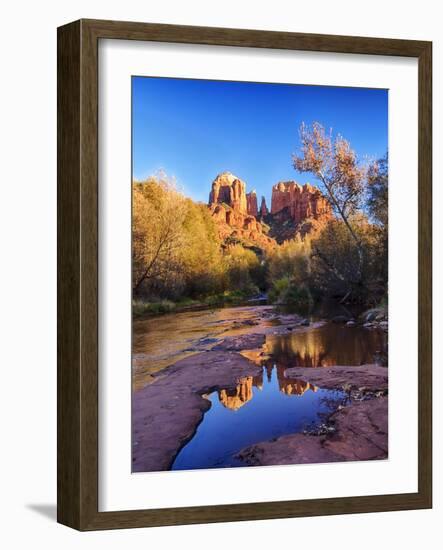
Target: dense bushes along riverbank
{"x": 179, "y": 257}
{"x": 196, "y": 268}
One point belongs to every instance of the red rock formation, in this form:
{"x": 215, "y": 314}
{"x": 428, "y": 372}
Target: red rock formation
{"x": 251, "y": 202}
{"x": 228, "y": 189}
{"x": 301, "y": 203}
{"x": 235, "y": 224}
{"x": 263, "y": 208}
{"x": 235, "y": 212}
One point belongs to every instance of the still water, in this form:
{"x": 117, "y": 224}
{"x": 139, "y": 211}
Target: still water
{"x": 261, "y": 407}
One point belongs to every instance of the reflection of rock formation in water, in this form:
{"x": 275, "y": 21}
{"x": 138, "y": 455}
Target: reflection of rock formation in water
{"x": 303, "y": 350}
{"x": 328, "y": 346}
{"x": 255, "y": 355}
{"x": 289, "y": 386}
{"x": 237, "y": 397}
{"x": 295, "y": 387}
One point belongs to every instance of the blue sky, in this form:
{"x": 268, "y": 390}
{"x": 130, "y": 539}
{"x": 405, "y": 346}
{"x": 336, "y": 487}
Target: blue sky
{"x": 195, "y": 129}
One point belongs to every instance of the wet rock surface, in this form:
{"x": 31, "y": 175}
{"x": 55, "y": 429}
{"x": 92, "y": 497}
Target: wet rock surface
{"x": 166, "y": 413}
{"x": 361, "y": 433}
{"x": 240, "y": 343}
{"x": 371, "y": 378}
{"x": 357, "y": 431}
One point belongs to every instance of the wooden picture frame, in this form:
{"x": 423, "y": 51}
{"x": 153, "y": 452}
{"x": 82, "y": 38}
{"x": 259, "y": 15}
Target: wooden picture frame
{"x": 78, "y": 273}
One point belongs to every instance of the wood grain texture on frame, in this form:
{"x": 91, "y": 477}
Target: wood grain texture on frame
{"x": 77, "y": 173}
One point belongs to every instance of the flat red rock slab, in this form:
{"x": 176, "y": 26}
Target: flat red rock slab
{"x": 361, "y": 434}
{"x": 361, "y": 431}
{"x": 166, "y": 413}
{"x": 241, "y": 342}
{"x": 369, "y": 377}
{"x": 289, "y": 449}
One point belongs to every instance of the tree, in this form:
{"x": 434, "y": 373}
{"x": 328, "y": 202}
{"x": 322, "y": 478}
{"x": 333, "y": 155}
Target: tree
{"x": 158, "y": 212}
{"x": 291, "y": 260}
{"x": 334, "y": 261}
{"x": 241, "y": 266}
{"x": 377, "y": 190}
{"x": 200, "y": 257}
{"x": 377, "y": 185}
{"x": 289, "y": 272}
{"x": 333, "y": 162}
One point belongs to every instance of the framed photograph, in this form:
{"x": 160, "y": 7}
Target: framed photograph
{"x": 244, "y": 274}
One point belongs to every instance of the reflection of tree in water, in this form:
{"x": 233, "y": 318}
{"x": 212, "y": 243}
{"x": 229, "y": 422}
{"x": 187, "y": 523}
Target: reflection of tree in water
{"x": 327, "y": 346}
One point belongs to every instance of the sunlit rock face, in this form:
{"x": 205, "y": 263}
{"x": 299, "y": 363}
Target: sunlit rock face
{"x": 251, "y": 201}
{"x": 229, "y": 189}
{"x": 294, "y": 208}
{"x": 236, "y": 212}
{"x": 301, "y": 202}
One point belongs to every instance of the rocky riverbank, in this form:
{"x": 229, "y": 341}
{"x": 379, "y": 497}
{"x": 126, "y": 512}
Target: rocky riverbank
{"x": 357, "y": 431}
{"x": 167, "y": 412}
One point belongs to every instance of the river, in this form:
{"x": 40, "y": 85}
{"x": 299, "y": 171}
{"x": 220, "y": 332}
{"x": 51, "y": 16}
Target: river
{"x": 261, "y": 407}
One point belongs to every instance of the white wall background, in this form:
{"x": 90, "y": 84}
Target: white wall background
{"x": 28, "y": 273}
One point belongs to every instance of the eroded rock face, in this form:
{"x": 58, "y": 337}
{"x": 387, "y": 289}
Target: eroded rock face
{"x": 231, "y": 190}
{"x": 236, "y": 212}
{"x": 300, "y": 202}
{"x": 251, "y": 201}
{"x": 294, "y": 208}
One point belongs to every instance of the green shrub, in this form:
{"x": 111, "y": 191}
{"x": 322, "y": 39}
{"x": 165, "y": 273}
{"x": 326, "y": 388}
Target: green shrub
{"x": 278, "y": 289}
{"x": 298, "y": 296}
{"x": 286, "y": 292}
{"x": 140, "y": 308}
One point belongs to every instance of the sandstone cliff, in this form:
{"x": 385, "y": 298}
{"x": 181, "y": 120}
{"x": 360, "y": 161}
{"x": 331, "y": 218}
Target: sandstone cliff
{"x": 294, "y": 209}
{"x": 301, "y": 202}
{"x": 233, "y": 224}
{"x": 235, "y": 212}
{"x": 251, "y": 202}
{"x": 230, "y": 190}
